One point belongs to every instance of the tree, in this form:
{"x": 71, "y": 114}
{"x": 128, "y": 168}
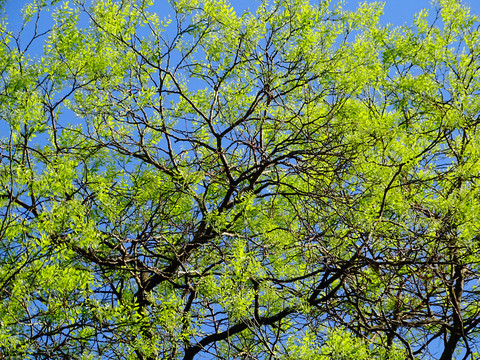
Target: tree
{"x": 295, "y": 182}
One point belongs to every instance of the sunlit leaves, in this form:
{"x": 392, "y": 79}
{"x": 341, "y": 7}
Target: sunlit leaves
{"x": 200, "y": 180}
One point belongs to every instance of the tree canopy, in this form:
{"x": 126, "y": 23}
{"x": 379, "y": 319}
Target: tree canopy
{"x": 182, "y": 181}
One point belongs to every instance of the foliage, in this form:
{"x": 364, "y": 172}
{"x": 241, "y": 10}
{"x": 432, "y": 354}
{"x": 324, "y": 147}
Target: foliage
{"x": 292, "y": 182}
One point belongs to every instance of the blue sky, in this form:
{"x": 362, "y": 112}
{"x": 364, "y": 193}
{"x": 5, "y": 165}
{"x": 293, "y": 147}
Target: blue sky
{"x": 399, "y": 12}
{"x": 396, "y": 12}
